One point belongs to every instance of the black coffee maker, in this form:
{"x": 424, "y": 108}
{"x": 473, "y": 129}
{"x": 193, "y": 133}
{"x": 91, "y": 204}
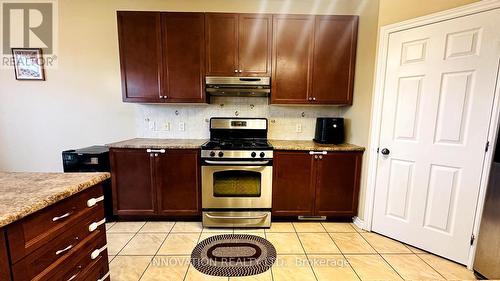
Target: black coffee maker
{"x": 329, "y": 130}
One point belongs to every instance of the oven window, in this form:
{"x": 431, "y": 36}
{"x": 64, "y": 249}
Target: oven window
{"x": 237, "y": 184}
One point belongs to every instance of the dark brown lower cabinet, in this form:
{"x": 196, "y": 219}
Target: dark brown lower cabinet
{"x": 316, "y": 185}
{"x": 149, "y": 184}
{"x": 4, "y": 259}
{"x": 177, "y": 181}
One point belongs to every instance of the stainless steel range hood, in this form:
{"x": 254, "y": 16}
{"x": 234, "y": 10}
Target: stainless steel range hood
{"x": 238, "y": 86}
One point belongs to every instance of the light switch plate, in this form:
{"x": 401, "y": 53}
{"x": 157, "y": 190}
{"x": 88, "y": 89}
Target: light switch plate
{"x": 182, "y": 126}
{"x": 298, "y": 128}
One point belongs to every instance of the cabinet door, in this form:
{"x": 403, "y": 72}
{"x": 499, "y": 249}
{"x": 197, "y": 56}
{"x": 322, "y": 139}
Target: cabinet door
{"x": 292, "y": 52}
{"x": 133, "y": 191}
{"x": 221, "y": 43}
{"x": 337, "y": 184}
{"x": 293, "y": 185}
{"x": 177, "y": 174}
{"x": 139, "y": 35}
{"x": 4, "y": 258}
{"x": 184, "y": 57}
{"x": 334, "y": 59}
{"x": 254, "y": 48}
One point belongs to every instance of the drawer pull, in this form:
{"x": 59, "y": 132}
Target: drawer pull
{"x": 64, "y": 250}
{"x": 318, "y": 152}
{"x": 73, "y": 276}
{"x": 97, "y": 252}
{"x": 104, "y": 277}
{"x": 93, "y": 226}
{"x": 92, "y": 201}
{"x": 61, "y": 217}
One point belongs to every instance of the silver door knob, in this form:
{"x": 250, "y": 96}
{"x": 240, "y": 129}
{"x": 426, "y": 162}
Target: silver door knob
{"x": 314, "y": 98}
{"x": 321, "y": 157}
{"x": 315, "y": 156}
{"x": 310, "y": 98}
{"x": 240, "y": 71}
{"x": 236, "y": 71}
{"x": 385, "y": 151}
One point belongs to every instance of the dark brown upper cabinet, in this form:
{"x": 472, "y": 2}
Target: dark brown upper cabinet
{"x": 184, "y": 57}
{"x": 238, "y": 44}
{"x": 139, "y": 36}
{"x": 162, "y": 56}
{"x": 313, "y": 59}
{"x": 292, "y": 51}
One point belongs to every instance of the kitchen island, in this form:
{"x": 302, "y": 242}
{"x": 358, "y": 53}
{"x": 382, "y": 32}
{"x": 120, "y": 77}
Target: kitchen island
{"x": 52, "y": 226}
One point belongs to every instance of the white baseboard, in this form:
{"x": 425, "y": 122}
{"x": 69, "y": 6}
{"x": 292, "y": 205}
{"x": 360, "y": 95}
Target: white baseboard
{"x": 359, "y": 222}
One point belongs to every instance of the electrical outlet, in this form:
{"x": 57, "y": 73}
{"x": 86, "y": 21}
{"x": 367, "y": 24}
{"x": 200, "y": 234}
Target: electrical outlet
{"x": 166, "y": 126}
{"x": 182, "y": 126}
{"x": 298, "y": 128}
{"x": 152, "y": 125}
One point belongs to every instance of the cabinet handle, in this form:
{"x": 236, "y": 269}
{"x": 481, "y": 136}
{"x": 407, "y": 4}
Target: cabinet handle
{"x": 310, "y": 98}
{"x": 318, "y": 152}
{"x": 92, "y": 201}
{"x": 64, "y": 250}
{"x": 156, "y": 154}
{"x": 104, "y": 277}
{"x": 73, "y": 276}
{"x": 314, "y": 98}
{"x": 155, "y": 150}
{"x": 97, "y": 252}
{"x": 236, "y": 71}
{"x": 320, "y": 157}
{"x": 315, "y": 156}
{"x": 61, "y": 217}
{"x": 93, "y": 226}
{"x": 240, "y": 71}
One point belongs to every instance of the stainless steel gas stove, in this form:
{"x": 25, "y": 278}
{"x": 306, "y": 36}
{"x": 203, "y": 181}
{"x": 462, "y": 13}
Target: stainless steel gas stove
{"x": 237, "y": 174}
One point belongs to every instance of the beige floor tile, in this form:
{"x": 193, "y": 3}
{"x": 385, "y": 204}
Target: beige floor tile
{"x": 318, "y": 243}
{"x": 217, "y": 229}
{"x": 179, "y": 244}
{"x": 128, "y": 268}
{"x": 210, "y": 234}
{"x": 280, "y": 227}
{"x": 338, "y": 227}
{"x": 372, "y": 267}
{"x": 449, "y": 269}
{"x": 109, "y": 225}
{"x": 285, "y": 243}
{"x": 357, "y": 228}
{"x": 416, "y": 250}
{"x": 110, "y": 258}
{"x": 411, "y": 267}
{"x": 266, "y": 276}
{"x": 126, "y": 227}
{"x": 248, "y": 230}
{"x": 194, "y": 275}
{"x": 116, "y": 241}
{"x": 183, "y": 226}
{"x": 331, "y": 267}
{"x": 292, "y": 268}
{"x": 157, "y": 226}
{"x": 385, "y": 245}
{"x": 352, "y": 243}
{"x": 143, "y": 244}
{"x": 166, "y": 268}
{"x": 308, "y": 227}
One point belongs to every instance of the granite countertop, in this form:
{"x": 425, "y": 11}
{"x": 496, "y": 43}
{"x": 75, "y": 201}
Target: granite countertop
{"x": 22, "y": 194}
{"x": 144, "y": 143}
{"x": 159, "y": 143}
{"x": 311, "y": 145}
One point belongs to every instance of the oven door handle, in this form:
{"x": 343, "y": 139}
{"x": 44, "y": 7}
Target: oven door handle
{"x": 261, "y": 216}
{"x": 251, "y": 163}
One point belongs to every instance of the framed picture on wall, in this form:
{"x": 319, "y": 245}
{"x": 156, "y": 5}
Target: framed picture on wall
{"x": 28, "y": 63}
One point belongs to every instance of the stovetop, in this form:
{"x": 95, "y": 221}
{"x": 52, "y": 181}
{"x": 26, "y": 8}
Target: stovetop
{"x": 237, "y": 144}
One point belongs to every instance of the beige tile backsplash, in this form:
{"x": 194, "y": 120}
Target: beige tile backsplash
{"x": 283, "y": 120}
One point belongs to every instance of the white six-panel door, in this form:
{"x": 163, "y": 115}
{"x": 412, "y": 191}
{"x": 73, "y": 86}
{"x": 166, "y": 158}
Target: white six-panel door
{"x": 438, "y": 97}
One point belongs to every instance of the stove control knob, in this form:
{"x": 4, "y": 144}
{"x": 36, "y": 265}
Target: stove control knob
{"x": 262, "y": 154}
{"x": 221, "y": 153}
{"x": 253, "y": 154}
{"x": 212, "y": 154}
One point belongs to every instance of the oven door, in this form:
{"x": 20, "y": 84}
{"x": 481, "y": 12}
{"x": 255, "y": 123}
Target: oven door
{"x": 236, "y": 187}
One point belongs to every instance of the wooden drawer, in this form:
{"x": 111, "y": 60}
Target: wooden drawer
{"x": 4, "y": 259}
{"x": 34, "y": 263}
{"x": 97, "y": 271}
{"x": 76, "y": 261}
{"x": 39, "y": 228}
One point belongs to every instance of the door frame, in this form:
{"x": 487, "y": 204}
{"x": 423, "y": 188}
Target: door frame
{"x": 377, "y": 103}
